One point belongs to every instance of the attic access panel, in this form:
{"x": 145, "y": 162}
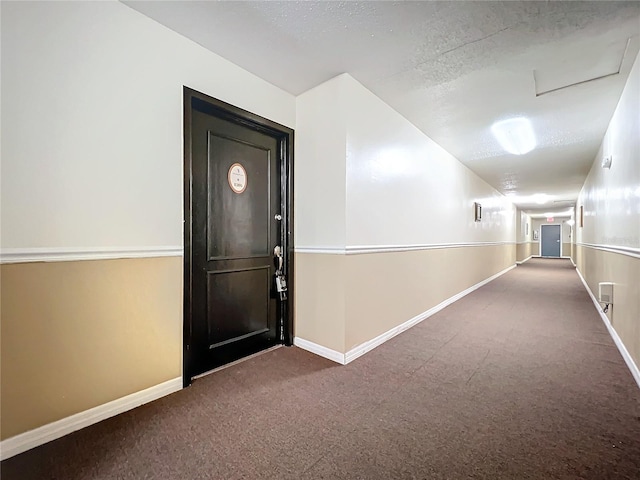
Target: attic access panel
{"x": 574, "y": 67}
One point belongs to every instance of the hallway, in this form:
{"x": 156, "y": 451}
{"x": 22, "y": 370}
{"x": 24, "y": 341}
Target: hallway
{"x": 517, "y": 380}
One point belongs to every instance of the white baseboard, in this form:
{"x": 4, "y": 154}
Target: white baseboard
{"x": 359, "y": 350}
{"x": 41, "y": 435}
{"x": 635, "y": 372}
{"x": 525, "y": 260}
{"x": 319, "y": 350}
{"x": 365, "y": 347}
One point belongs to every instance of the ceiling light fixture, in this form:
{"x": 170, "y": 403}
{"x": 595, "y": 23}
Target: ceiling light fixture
{"x": 540, "y": 198}
{"x": 515, "y": 135}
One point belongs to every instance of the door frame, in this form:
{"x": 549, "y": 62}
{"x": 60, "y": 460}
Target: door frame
{"x": 285, "y": 136}
{"x": 540, "y": 242}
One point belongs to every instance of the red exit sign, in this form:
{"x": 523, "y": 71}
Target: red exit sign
{"x": 549, "y": 219}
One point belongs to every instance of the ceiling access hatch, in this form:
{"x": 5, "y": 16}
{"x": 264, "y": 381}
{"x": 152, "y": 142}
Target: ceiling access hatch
{"x": 572, "y": 67}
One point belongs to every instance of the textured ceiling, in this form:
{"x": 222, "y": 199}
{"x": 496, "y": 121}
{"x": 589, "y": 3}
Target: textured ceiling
{"x": 451, "y": 68}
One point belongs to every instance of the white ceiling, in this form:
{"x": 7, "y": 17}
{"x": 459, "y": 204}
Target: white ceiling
{"x": 451, "y": 68}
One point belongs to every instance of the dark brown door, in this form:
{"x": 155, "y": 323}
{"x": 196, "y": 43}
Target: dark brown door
{"x": 237, "y": 217}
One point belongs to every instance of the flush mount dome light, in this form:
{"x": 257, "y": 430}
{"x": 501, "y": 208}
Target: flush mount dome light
{"x": 515, "y": 135}
{"x": 540, "y": 198}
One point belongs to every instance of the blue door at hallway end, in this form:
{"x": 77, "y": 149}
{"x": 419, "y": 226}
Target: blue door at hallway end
{"x": 550, "y": 240}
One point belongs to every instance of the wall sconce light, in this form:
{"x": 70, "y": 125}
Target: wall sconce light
{"x": 477, "y": 211}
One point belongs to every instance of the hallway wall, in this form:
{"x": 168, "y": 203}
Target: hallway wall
{"x": 80, "y": 334}
{"x": 91, "y": 171}
{"x": 524, "y": 235}
{"x": 410, "y": 239}
{"x": 608, "y": 245}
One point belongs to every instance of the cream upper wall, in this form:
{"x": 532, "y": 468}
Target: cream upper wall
{"x": 320, "y": 176}
{"x": 92, "y": 123}
{"x": 523, "y": 233}
{"x": 399, "y": 188}
{"x": 611, "y": 197}
{"x": 404, "y": 189}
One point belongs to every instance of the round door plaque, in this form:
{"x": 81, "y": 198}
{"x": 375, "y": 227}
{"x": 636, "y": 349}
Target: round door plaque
{"x": 237, "y": 178}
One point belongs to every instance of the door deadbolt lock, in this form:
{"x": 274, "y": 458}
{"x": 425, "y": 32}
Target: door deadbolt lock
{"x": 278, "y": 217}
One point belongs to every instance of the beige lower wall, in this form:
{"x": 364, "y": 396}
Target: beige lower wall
{"x": 319, "y": 304}
{"x": 624, "y": 271}
{"x": 387, "y": 289}
{"x": 380, "y": 291}
{"x": 525, "y": 250}
{"x": 75, "y": 335}
{"x": 566, "y": 249}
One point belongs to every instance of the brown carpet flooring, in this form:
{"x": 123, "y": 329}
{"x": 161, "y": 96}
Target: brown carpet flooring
{"x": 518, "y": 380}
